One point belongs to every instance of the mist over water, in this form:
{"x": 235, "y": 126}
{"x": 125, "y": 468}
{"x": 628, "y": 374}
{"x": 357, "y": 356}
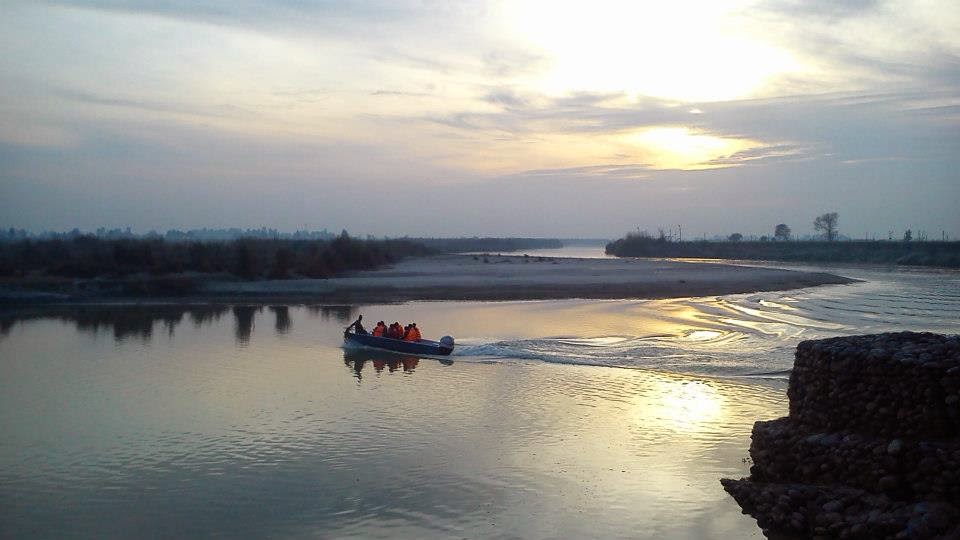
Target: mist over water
{"x": 252, "y": 421}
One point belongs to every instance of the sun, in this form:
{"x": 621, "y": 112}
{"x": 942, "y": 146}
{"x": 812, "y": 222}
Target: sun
{"x": 682, "y": 50}
{"x": 685, "y": 148}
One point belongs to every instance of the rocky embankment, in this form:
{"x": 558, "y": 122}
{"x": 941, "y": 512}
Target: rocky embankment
{"x": 871, "y": 448}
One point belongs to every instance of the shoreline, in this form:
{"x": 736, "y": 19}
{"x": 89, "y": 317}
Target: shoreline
{"x": 931, "y": 254}
{"x": 475, "y": 278}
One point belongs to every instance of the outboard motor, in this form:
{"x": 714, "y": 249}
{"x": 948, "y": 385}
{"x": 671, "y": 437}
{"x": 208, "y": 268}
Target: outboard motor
{"x": 446, "y": 344}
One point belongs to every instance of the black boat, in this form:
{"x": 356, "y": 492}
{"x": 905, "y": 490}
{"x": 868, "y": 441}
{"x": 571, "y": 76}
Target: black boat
{"x": 424, "y": 346}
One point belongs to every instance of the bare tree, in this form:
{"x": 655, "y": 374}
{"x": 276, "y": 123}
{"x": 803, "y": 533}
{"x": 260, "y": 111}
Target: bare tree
{"x": 781, "y": 232}
{"x": 827, "y": 223}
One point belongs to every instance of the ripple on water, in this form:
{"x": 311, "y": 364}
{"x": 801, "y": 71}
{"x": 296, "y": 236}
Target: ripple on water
{"x": 192, "y": 433}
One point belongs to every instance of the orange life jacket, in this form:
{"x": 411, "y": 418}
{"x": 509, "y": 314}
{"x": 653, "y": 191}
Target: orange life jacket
{"x": 412, "y": 335}
{"x": 379, "y": 330}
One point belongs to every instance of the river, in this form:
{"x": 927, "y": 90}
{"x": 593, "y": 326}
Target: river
{"x": 574, "y": 418}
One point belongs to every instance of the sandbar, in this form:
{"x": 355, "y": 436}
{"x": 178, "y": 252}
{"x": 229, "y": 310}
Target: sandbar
{"x": 496, "y": 277}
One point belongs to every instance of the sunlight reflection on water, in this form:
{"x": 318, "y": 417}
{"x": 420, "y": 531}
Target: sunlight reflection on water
{"x": 248, "y": 421}
{"x": 241, "y": 427}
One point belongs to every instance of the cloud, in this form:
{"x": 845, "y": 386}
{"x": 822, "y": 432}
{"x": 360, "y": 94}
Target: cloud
{"x": 580, "y": 112}
{"x": 506, "y": 98}
{"x": 400, "y": 93}
{"x": 866, "y": 44}
{"x": 394, "y": 55}
{"x": 631, "y": 171}
{"x": 308, "y": 108}
{"x": 173, "y": 107}
{"x": 823, "y": 9}
{"x": 765, "y": 154}
{"x": 505, "y": 63}
{"x": 326, "y": 16}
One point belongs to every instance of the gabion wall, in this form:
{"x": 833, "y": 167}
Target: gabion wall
{"x": 871, "y": 448}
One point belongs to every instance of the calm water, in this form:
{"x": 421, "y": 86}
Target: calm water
{"x": 244, "y": 421}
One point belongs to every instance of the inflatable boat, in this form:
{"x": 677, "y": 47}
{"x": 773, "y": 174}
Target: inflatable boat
{"x": 424, "y": 346}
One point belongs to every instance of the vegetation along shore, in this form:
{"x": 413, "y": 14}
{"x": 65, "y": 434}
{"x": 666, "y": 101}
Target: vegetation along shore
{"x": 940, "y": 254}
{"x": 86, "y": 265}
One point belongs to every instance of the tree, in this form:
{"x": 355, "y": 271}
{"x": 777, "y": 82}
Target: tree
{"x": 735, "y": 237}
{"x": 781, "y": 232}
{"x": 246, "y": 265}
{"x": 908, "y": 235}
{"x": 282, "y": 262}
{"x": 827, "y": 223}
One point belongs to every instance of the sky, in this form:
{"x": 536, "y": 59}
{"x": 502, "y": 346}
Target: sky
{"x": 501, "y": 118}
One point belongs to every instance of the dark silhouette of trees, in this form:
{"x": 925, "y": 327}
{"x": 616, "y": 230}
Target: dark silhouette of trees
{"x": 146, "y": 264}
{"x": 735, "y": 237}
{"x": 908, "y": 235}
{"x": 247, "y": 265}
{"x": 282, "y": 262}
{"x": 943, "y": 254}
{"x": 781, "y": 232}
{"x": 827, "y": 223}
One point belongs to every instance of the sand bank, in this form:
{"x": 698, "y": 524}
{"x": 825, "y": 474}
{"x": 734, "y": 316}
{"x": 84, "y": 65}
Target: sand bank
{"x": 464, "y": 277}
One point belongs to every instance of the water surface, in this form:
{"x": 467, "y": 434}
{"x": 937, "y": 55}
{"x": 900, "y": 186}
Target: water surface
{"x": 610, "y": 419}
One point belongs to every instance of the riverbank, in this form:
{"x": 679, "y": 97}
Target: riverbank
{"x": 928, "y": 254}
{"x": 465, "y": 277}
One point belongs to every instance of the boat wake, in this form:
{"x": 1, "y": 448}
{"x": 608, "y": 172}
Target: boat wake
{"x": 749, "y": 335}
{"x": 717, "y": 356}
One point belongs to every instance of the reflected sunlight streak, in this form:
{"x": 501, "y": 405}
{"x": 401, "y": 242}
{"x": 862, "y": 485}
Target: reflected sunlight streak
{"x": 683, "y": 405}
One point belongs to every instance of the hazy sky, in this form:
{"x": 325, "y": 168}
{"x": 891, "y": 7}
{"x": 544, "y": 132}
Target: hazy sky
{"x": 537, "y": 118}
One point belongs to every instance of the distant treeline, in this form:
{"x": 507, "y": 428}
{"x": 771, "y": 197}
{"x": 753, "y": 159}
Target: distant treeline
{"x": 943, "y": 254}
{"x": 171, "y": 235}
{"x": 247, "y": 258}
{"x": 442, "y": 245}
{"x": 467, "y": 245}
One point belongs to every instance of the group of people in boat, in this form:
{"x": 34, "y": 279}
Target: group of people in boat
{"x": 409, "y": 332}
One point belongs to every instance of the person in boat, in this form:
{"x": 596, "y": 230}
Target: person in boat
{"x": 357, "y": 326}
{"x": 380, "y": 329}
{"x": 397, "y": 331}
{"x": 412, "y": 333}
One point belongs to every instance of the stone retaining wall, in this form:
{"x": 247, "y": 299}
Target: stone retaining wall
{"x": 899, "y": 385}
{"x": 871, "y": 448}
{"x": 900, "y": 468}
{"x": 811, "y": 511}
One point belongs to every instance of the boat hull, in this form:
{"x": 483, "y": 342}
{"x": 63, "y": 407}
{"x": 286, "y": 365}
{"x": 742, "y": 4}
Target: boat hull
{"x": 424, "y": 346}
